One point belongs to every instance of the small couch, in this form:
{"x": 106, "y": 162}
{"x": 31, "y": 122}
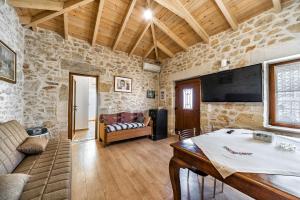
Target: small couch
{"x": 50, "y": 171}
{"x": 122, "y": 126}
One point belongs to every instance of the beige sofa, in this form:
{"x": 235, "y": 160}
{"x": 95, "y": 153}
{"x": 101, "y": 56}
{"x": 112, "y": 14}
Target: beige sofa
{"x": 50, "y": 172}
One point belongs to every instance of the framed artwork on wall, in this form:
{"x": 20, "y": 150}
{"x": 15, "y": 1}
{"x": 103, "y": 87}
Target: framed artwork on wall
{"x": 151, "y": 94}
{"x": 8, "y": 63}
{"x": 162, "y": 95}
{"x": 123, "y": 84}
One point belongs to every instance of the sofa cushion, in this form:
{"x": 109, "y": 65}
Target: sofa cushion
{"x": 127, "y": 117}
{"x": 12, "y": 134}
{"x": 123, "y": 126}
{"x": 33, "y": 145}
{"x": 50, "y": 172}
{"x": 109, "y": 118}
{"x": 11, "y": 185}
{"x": 138, "y": 115}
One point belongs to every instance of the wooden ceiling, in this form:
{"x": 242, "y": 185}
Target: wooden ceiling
{"x": 119, "y": 24}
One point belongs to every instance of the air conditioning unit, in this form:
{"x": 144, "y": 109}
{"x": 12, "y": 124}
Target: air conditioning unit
{"x": 151, "y": 67}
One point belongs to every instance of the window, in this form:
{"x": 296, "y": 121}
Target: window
{"x": 188, "y": 98}
{"x": 284, "y": 94}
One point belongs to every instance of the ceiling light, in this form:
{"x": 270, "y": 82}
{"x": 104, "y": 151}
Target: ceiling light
{"x": 148, "y": 15}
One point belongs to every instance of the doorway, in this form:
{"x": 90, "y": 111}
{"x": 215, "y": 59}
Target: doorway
{"x": 187, "y": 105}
{"x": 83, "y": 107}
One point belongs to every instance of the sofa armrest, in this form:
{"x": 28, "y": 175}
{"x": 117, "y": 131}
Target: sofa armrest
{"x": 102, "y": 133}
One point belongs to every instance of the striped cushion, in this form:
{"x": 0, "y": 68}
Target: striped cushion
{"x": 123, "y": 126}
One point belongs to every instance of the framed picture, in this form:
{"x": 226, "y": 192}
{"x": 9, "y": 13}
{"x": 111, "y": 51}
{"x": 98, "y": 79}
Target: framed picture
{"x": 8, "y": 63}
{"x": 162, "y": 95}
{"x": 151, "y": 94}
{"x": 123, "y": 84}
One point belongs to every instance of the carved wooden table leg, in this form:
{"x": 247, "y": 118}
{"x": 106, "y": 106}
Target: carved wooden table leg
{"x": 174, "y": 170}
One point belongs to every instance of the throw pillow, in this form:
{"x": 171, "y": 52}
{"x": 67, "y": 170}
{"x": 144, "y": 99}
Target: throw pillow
{"x": 33, "y": 145}
{"x": 11, "y": 185}
{"x": 147, "y": 121}
{"x": 140, "y": 119}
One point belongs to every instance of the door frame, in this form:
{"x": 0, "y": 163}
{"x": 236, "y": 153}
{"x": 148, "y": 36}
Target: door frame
{"x": 70, "y": 103}
{"x": 189, "y": 80}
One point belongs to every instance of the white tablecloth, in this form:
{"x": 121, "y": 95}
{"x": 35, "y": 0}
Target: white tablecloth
{"x": 265, "y": 158}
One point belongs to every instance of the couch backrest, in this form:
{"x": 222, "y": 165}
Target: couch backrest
{"x": 12, "y": 134}
{"x": 123, "y": 117}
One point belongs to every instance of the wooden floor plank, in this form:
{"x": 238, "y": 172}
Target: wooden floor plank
{"x": 134, "y": 170}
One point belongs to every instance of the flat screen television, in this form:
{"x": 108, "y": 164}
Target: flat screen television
{"x": 238, "y": 85}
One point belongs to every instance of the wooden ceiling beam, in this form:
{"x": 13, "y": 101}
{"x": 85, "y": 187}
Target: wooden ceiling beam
{"x": 177, "y": 8}
{"x": 276, "y": 5}
{"x": 124, "y": 23}
{"x": 153, "y": 33}
{"x": 97, "y": 23}
{"x": 47, "y": 15}
{"x": 165, "y": 49}
{"x": 24, "y": 19}
{"x": 154, "y": 40}
{"x": 170, "y": 6}
{"x": 38, "y": 4}
{"x": 34, "y": 28}
{"x": 149, "y": 51}
{"x": 227, "y": 14}
{"x": 170, "y": 33}
{"x": 66, "y": 26}
{"x": 140, "y": 38}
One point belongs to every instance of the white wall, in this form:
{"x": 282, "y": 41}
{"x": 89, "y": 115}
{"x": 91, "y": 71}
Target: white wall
{"x": 92, "y": 98}
{"x": 82, "y": 102}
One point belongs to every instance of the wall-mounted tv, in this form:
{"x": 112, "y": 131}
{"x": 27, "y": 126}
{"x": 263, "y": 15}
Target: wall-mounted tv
{"x": 238, "y": 85}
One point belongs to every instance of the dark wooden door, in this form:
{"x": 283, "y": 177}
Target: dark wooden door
{"x": 187, "y": 105}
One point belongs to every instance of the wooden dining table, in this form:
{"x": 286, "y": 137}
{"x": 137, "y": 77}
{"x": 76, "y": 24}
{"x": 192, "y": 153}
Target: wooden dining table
{"x": 258, "y": 186}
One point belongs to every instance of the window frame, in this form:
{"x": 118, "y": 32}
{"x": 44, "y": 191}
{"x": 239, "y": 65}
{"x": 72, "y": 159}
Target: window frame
{"x": 272, "y": 98}
{"x": 269, "y": 95}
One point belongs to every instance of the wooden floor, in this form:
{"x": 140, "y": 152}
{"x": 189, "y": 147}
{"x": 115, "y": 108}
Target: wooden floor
{"x": 135, "y": 169}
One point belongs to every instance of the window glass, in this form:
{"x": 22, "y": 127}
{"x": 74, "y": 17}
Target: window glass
{"x": 287, "y": 93}
{"x": 188, "y": 98}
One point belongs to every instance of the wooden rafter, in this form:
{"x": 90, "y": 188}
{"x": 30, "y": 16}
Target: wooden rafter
{"x": 47, "y": 15}
{"x": 277, "y": 5}
{"x": 124, "y": 23}
{"x": 149, "y": 51}
{"x": 169, "y": 4}
{"x": 227, "y": 14}
{"x": 153, "y": 33}
{"x": 97, "y": 23}
{"x": 140, "y": 38}
{"x": 24, "y": 19}
{"x": 154, "y": 40}
{"x": 177, "y": 7}
{"x": 164, "y": 49}
{"x": 34, "y": 28}
{"x": 38, "y": 4}
{"x": 66, "y": 26}
{"x": 170, "y": 33}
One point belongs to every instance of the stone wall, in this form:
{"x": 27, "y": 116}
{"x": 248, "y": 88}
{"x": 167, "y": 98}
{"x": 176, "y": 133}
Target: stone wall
{"x": 266, "y": 36}
{"x": 49, "y": 59}
{"x": 12, "y": 34}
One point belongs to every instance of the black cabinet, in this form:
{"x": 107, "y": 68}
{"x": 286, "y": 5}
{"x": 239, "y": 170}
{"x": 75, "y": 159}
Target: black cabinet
{"x": 160, "y": 123}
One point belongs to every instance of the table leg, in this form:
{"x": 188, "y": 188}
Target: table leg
{"x": 174, "y": 170}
